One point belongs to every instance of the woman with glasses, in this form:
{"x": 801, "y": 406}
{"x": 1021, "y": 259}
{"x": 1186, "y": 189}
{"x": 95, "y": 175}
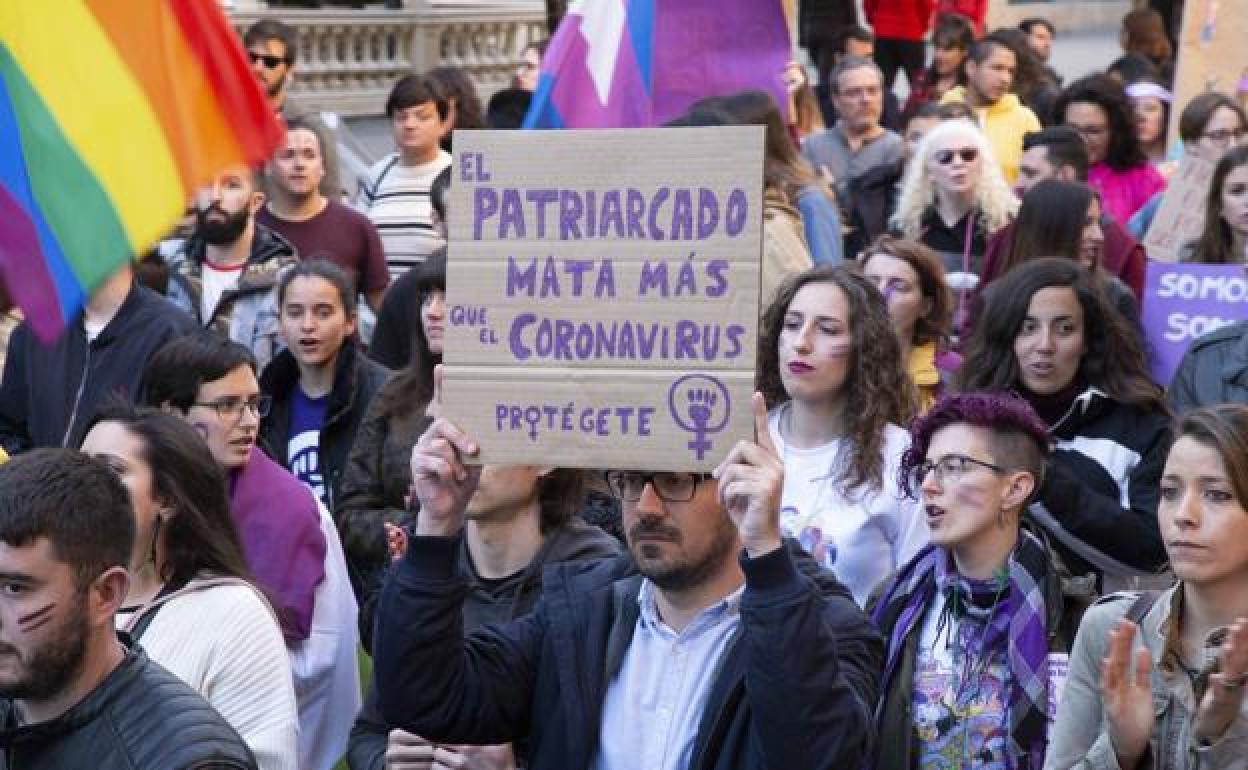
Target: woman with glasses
{"x": 830, "y": 368}
{"x": 1224, "y": 239}
{"x": 529, "y": 71}
{"x": 288, "y": 536}
{"x": 972, "y": 620}
{"x": 1096, "y": 106}
{"x": 953, "y": 197}
{"x": 321, "y": 384}
{"x": 1048, "y": 334}
{"x": 912, "y": 281}
{"x": 1210, "y": 125}
{"x": 191, "y": 602}
{"x": 1158, "y": 680}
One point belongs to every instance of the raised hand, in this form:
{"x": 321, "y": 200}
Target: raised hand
{"x": 751, "y": 479}
{"x": 441, "y": 481}
{"x": 1127, "y": 689}
{"x": 1225, "y": 694}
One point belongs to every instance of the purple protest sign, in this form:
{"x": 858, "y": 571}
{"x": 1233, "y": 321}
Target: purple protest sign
{"x": 1183, "y": 302}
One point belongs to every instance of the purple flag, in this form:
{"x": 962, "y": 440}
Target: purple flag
{"x": 638, "y": 63}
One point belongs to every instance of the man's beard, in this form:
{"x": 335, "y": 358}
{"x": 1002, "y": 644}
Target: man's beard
{"x": 681, "y": 574}
{"x": 221, "y": 232}
{"x": 275, "y": 89}
{"x": 52, "y": 668}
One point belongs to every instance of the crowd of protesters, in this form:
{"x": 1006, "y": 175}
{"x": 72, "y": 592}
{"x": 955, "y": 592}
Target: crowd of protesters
{"x": 971, "y": 530}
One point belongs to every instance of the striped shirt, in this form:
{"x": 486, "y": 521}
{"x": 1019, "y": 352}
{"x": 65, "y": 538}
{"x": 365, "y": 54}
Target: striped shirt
{"x": 396, "y": 198}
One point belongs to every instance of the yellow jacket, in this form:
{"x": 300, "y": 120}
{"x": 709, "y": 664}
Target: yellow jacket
{"x": 1004, "y": 123}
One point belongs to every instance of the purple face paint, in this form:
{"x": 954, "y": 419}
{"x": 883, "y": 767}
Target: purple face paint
{"x": 38, "y": 618}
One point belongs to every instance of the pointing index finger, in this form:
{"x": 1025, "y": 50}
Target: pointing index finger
{"x": 762, "y": 427}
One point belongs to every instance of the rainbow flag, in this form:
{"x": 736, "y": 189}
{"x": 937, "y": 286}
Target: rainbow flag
{"x": 111, "y": 114}
{"x": 637, "y": 63}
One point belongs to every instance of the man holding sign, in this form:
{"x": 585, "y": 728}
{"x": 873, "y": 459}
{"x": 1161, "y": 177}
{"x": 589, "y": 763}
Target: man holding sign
{"x": 716, "y": 645}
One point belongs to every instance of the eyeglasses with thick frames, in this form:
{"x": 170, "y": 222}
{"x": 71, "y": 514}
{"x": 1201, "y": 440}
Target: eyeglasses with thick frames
{"x": 967, "y": 154}
{"x": 952, "y": 467}
{"x": 1223, "y": 136}
{"x": 670, "y": 487}
{"x": 270, "y": 61}
{"x": 232, "y": 408}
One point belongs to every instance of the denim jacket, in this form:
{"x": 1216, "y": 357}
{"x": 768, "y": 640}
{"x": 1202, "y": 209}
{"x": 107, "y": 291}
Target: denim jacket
{"x": 1080, "y": 737}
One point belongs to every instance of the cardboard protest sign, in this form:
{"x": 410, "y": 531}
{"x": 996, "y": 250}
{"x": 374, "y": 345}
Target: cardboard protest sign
{"x": 1211, "y": 52}
{"x": 1183, "y": 302}
{"x": 602, "y": 294}
{"x": 1181, "y": 215}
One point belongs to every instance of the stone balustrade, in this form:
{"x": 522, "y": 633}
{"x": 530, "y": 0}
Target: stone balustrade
{"x": 349, "y": 59}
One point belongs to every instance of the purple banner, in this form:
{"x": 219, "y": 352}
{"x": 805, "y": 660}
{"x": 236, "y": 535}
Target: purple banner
{"x": 1183, "y": 302}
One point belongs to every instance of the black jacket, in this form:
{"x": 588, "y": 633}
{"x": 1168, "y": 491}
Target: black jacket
{"x": 141, "y": 717}
{"x": 397, "y": 319}
{"x": 573, "y": 542}
{"x": 1213, "y": 371}
{"x": 795, "y": 688}
{"x": 50, "y": 391}
{"x": 1098, "y": 500}
{"x": 357, "y": 379}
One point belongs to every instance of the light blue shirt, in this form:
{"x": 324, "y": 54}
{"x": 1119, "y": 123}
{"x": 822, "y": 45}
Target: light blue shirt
{"x": 654, "y": 704}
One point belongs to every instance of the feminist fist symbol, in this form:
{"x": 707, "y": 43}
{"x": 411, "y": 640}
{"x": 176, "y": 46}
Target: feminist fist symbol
{"x": 703, "y": 394}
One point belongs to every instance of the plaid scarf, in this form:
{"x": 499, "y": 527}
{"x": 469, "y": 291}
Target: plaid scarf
{"x": 1012, "y": 616}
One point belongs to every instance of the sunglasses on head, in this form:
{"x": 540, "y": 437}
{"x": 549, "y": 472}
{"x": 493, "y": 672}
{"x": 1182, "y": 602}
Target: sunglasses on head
{"x": 967, "y": 154}
{"x": 270, "y": 61}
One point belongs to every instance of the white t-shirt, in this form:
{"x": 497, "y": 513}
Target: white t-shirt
{"x": 216, "y": 281}
{"x": 863, "y": 537}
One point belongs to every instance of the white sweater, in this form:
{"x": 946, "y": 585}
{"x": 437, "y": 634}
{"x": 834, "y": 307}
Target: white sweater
{"x": 221, "y": 638}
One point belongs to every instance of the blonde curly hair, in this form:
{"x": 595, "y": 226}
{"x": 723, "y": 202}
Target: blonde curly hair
{"x": 993, "y": 197}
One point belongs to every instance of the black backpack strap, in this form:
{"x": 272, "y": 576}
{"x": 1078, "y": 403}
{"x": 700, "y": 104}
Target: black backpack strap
{"x": 376, "y": 187}
{"x": 136, "y": 632}
{"x": 1144, "y": 602}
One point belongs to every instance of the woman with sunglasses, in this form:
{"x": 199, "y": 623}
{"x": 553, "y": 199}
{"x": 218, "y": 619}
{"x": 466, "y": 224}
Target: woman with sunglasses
{"x": 1048, "y": 333}
{"x": 1224, "y": 239}
{"x": 971, "y": 621}
{"x": 830, "y": 368}
{"x": 192, "y": 603}
{"x": 1158, "y": 680}
{"x": 1096, "y": 106}
{"x": 953, "y": 197}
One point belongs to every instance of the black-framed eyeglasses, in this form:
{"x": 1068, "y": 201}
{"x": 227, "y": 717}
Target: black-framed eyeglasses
{"x": 952, "y": 467}
{"x": 967, "y": 154}
{"x": 671, "y": 487}
{"x": 1223, "y": 135}
{"x": 232, "y": 408}
{"x": 270, "y": 61}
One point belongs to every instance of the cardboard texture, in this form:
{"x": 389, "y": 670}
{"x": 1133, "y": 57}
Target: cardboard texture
{"x": 1181, "y": 215}
{"x": 602, "y": 295}
{"x": 1211, "y": 52}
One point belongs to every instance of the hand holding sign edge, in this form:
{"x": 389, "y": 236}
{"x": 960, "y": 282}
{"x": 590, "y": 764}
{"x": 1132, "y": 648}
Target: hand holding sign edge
{"x": 751, "y": 479}
{"x": 441, "y": 479}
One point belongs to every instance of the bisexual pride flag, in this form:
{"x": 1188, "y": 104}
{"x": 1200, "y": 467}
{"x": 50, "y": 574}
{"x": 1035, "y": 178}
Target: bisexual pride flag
{"x": 637, "y": 63}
